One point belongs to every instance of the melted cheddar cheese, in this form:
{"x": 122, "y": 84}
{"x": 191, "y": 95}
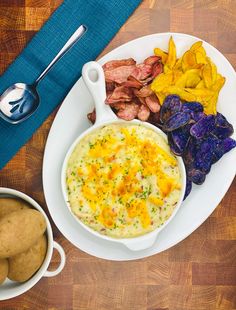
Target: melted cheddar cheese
{"x": 122, "y": 180}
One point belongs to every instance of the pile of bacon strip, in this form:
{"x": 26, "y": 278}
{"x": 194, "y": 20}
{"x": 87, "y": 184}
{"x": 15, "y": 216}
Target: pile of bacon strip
{"x": 128, "y": 88}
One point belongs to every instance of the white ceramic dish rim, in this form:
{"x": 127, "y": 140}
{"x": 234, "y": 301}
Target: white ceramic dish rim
{"x": 105, "y": 117}
{"x": 7, "y": 290}
{"x": 50, "y": 174}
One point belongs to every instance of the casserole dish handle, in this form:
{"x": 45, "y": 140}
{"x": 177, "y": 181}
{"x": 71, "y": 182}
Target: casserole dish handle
{"x": 138, "y": 245}
{"x": 94, "y": 79}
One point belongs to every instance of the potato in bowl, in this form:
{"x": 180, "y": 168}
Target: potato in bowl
{"x": 26, "y": 244}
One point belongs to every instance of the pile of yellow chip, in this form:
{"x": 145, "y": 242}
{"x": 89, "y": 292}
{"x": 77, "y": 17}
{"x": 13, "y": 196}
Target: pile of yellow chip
{"x": 193, "y": 76}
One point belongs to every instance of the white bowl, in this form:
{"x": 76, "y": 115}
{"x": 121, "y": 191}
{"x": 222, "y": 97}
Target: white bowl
{"x": 105, "y": 116}
{"x": 10, "y": 289}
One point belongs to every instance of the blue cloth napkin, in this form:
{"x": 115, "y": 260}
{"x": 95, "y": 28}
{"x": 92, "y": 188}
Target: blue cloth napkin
{"x": 103, "y": 19}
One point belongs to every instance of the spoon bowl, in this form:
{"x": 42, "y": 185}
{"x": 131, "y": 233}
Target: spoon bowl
{"x": 18, "y": 102}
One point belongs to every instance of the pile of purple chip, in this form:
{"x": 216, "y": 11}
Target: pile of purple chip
{"x": 200, "y": 139}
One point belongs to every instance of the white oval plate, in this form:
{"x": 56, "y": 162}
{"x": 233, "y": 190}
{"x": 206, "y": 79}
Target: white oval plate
{"x": 71, "y": 120}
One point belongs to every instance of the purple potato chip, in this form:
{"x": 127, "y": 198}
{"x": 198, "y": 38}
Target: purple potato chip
{"x": 221, "y": 120}
{"x": 222, "y": 147}
{"x": 193, "y": 106}
{"x": 188, "y": 188}
{"x": 180, "y": 137}
{"x": 171, "y": 105}
{"x": 175, "y": 103}
{"x": 189, "y": 153}
{"x": 223, "y": 132}
{"x": 228, "y": 144}
{"x": 196, "y": 176}
{"x": 223, "y": 128}
{"x": 203, "y": 127}
{"x": 174, "y": 148}
{"x": 176, "y": 121}
{"x": 196, "y": 116}
{"x": 203, "y": 156}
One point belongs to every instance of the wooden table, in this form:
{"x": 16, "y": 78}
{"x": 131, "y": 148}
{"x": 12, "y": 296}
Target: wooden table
{"x": 198, "y": 273}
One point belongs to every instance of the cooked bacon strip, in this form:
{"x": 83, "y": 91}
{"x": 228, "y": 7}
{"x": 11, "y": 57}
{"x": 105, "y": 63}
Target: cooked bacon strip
{"x": 143, "y": 92}
{"x": 111, "y": 101}
{"x": 120, "y": 93}
{"x": 92, "y": 116}
{"x": 118, "y": 105}
{"x": 153, "y": 103}
{"x": 141, "y": 100}
{"x": 132, "y": 82}
{"x": 143, "y": 72}
{"x": 121, "y": 74}
{"x": 130, "y": 111}
{"x": 143, "y": 113}
{"x": 112, "y": 64}
{"x": 110, "y": 86}
{"x": 157, "y": 68}
{"x": 109, "y": 93}
{"x": 151, "y": 60}
{"x": 148, "y": 80}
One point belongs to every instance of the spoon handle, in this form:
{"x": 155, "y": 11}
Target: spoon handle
{"x": 71, "y": 41}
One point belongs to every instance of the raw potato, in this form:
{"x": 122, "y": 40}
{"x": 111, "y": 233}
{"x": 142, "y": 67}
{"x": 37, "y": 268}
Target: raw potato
{"x": 3, "y": 269}
{"x": 8, "y": 205}
{"x": 19, "y": 231}
{"x": 24, "y": 265}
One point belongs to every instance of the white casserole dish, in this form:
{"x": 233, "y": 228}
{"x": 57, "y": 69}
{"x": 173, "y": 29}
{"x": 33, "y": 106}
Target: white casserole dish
{"x": 93, "y": 77}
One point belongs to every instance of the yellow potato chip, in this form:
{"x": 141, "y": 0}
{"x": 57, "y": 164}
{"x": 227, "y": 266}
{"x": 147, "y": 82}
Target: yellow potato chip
{"x": 167, "y": 69}
{"x": 193, "y": 78}
{"x": 200, "y": 58}
{"x": 202, "y": 51}
{"x": 200, "y": 92}
{"x": 189, "y": 79}
{"x": 207, "y": 75}
{"x": 184, "y": 95}
{"x": 213, "y": 71}
{"x": 171, "y": 59}
{"x": 196, "y": 46}
{"x": 177, "y": 75}
{"x": 210, "y": 106}
{"x": 220, "y": 81}
{"x": 159, "y": 52}
{"x": 161, "y": 96}
{"x": 189, "y": 61}
{"x": 181, "y": 82}
{"x": 178, "y": 64}
{"x": 200, "y": 84}
{"x": 161, "y": 82}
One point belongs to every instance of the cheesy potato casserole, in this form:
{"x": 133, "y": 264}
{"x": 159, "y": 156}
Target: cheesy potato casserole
{"x": 122, "y": 180}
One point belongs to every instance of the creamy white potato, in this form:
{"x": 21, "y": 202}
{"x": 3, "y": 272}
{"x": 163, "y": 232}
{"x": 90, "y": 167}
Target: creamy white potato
{"x": 122, "y": 180}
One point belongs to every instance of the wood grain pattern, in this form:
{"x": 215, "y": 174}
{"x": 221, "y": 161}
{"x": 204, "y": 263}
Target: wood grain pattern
{"x": 197, "y": 274}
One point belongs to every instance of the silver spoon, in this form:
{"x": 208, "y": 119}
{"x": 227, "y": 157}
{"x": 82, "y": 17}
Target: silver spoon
{"x": 21, "y": 100}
